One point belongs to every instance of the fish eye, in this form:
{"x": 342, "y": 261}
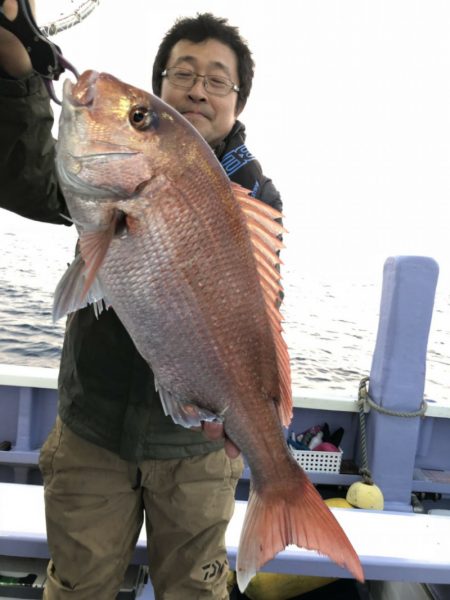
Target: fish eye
{"x": 142, "y": 118}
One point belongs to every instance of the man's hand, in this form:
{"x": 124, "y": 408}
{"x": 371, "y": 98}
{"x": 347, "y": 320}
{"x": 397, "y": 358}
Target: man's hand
{"x": 214, "y": 431}
{"x": 14, "y": 58}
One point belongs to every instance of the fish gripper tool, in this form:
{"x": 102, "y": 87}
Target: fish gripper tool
{"x": 46, "y": 57}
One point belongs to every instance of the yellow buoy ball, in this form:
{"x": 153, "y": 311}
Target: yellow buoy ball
{"x": 231, "y": 581}
{"x": 364, "y": 495}
{"x": 278, "y": 586}
{"x": 338, "y": 503}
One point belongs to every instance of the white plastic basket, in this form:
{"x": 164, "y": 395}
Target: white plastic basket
{"x": 315, "y": 460}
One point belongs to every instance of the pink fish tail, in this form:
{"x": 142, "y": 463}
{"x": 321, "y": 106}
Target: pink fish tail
{"x": 292, "y": 514}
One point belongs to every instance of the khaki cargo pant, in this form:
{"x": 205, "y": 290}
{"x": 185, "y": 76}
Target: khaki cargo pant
{"x": 95, "y": 510}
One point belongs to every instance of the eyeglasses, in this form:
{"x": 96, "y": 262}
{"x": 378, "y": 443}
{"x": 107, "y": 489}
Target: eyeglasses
{"x": 186, "y": 79}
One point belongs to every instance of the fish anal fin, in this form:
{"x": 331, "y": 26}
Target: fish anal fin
{"x": 284, "y": 404}
{"x": 297, "y": 516}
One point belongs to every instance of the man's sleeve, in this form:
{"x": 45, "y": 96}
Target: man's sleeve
{"x": 28, "y": 183}
{"x": 270, "y": 195}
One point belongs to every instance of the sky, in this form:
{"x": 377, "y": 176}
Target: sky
{"x": 349, "y": 114}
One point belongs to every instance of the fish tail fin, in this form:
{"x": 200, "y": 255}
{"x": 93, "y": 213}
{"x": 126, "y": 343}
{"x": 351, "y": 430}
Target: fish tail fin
{"x": 297, "y": 515}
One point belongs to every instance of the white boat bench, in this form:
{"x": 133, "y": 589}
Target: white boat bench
{"x": 391, "y": 546}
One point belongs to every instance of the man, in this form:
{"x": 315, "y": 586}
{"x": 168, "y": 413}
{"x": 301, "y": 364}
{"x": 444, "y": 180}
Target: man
{"x": 113, "y": 456}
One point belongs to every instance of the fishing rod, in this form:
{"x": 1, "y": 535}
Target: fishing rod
{"x": 70, "y": 20}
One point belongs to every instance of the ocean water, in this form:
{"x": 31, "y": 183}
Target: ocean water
{"x": 330, "y": 322}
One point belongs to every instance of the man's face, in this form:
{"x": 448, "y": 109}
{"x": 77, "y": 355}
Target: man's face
{"x": 213, "y": 116}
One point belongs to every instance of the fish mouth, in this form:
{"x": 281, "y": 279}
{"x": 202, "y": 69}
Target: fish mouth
{"x": 81, "y": 93}
{"x": 67, "y": 91}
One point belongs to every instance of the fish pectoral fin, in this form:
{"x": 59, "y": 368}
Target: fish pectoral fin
{"x": 184, "y": 413}
{"x": 70, "y": 294}
{"x": 94, "y": 246}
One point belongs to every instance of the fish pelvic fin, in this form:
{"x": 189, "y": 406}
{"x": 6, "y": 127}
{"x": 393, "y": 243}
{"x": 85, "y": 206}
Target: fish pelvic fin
{"x": 297, "y": 516}
{"x": 264, "y": 224}
{"x": 185, "y": 413}
{"x": 70, "y": 294}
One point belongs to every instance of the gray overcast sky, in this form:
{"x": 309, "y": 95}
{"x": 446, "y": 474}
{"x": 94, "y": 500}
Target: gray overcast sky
{"x": 349, "y": 113}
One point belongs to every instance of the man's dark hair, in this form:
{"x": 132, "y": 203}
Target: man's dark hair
{"x": 198, "y": 29}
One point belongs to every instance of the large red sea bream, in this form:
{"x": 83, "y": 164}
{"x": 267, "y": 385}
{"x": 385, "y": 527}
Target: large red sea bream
{"x": 187, "y": 261}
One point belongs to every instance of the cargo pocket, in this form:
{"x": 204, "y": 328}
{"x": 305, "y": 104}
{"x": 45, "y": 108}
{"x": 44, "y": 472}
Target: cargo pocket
{"x": 48, "y": 451}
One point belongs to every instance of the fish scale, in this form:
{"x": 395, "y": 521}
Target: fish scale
{"x": 173, "y": 299}
{"x": 189, "y": 263}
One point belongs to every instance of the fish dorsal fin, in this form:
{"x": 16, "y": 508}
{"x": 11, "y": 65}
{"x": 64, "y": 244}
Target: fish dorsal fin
{"x": 265, "y": 233}
{"x": 244, "y": 196}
